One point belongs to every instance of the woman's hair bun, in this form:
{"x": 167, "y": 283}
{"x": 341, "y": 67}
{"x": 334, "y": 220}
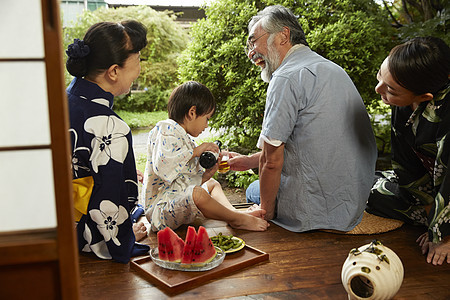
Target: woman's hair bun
{"x": 77, "y": 49}
{"x": 76, "y": 62}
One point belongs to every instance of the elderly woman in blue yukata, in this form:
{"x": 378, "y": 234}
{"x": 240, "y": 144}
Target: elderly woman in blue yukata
{"x": 104, "y": 64}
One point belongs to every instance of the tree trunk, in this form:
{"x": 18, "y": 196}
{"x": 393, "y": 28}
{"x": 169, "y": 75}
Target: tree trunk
{"x": 427, "y": 10}
{"x": 408, "y": 16}
{"x": 397, "y": 24}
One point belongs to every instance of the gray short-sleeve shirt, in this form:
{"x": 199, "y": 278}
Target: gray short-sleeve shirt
{"x": 330, "y": 152}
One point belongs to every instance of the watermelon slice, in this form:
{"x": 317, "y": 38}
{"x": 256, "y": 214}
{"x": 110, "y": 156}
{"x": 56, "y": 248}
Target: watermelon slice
{"x": 162, "y": 236}
{"x": 170, "y": 245}
{"x": 189, "y": 244}
{"x": 204, "y": 250}
{"x": 197, "y": 248}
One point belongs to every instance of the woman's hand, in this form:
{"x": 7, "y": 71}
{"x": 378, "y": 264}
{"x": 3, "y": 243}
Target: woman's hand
{"x": 437, "y": 253}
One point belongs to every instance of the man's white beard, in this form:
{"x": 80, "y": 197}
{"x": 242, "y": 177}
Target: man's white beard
{"x": 273, "y": 57}
{"x": 265, "y": 76}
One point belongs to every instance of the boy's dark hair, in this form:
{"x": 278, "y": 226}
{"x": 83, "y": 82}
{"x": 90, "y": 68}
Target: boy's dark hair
{"x": 190, "y": 93}
{"x": 109, "y": 43}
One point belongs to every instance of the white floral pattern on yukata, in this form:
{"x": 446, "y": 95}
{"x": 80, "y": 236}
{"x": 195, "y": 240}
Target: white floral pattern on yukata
{"x": 108, "y": 218}
{"x": 110, "y": 140}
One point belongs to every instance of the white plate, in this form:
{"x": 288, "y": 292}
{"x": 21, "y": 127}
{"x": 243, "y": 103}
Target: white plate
{"x": 232, "y": 250}
{"x": 217, "y": 260}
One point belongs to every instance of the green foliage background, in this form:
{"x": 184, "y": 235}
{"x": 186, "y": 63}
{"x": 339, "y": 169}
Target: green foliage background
{"x": 439, "y": 26}
{"x": 158, "y": 60}
{"x": 356, "y": 34}
{"x": 216, "y": 58}
{"x": 353, "y": 33}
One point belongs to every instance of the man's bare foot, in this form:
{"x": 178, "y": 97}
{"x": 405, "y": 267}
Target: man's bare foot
{"x": 437, "y": 253}
{"x": 249, "y": 222}
{"x": 140, "y": 231}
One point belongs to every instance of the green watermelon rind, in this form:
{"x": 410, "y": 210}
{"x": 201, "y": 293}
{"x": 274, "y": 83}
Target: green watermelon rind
{"x": 202, "y": 264}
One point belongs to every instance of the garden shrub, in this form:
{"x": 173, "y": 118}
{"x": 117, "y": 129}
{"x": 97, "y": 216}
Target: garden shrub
{"x": 355, "y": 34}
{"x": 241, "y": 179}
{"x": 153, "y": 99}
{"x": 166, "y": 40}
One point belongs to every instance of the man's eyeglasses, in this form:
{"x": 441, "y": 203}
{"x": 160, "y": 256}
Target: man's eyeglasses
{"x": 251, "y": 44}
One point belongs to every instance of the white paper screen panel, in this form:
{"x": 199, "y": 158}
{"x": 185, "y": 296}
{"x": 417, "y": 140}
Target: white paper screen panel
{"x": 24, "y": 115}
{"x": 27, "y": 196}
{"x": 21, "y": 29}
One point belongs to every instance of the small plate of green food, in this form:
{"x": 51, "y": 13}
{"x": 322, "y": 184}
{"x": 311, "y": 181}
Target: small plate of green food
{"x": 228, "y": 243}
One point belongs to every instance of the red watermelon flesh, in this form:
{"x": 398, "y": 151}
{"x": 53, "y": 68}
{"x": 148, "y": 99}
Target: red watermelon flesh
{"x": 162, "y": 235}
{"x": 204, "y": 250}
{"x": 189, "y": 244}
{"x": 170, "y": 245}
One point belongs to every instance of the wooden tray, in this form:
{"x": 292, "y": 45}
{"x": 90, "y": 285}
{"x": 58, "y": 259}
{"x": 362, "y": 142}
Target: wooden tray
{"x": 178, "y": 281}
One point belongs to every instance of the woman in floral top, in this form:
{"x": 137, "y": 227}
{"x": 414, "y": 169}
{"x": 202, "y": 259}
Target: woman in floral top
{"x": 104, "y": 64}
{"x": 414, "y": 80}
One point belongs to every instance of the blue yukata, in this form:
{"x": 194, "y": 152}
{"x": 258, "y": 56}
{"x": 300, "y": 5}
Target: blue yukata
{"x": 171, "y": 173}
{"x": 104, "y": 174}
{"x": 313, "y": 107}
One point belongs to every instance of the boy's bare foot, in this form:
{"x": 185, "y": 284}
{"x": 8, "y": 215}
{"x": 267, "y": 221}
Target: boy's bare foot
{"x": 259, "y": 213}
{"x": 140, "y": 231}
{"x": 437, "y": 253}
{"x": 249, "y": 222}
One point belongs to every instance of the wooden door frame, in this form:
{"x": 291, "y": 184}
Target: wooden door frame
{"x": 61, "y": 153}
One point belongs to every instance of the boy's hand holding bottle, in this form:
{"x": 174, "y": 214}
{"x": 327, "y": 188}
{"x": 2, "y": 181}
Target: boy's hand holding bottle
{"x": 210, "y": 157}
{"x": 211, "y": 153}
{"x": 204, "y": 148}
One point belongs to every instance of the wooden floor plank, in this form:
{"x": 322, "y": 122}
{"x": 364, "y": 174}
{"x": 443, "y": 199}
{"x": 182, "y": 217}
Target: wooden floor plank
{"x": 300, "y": 266}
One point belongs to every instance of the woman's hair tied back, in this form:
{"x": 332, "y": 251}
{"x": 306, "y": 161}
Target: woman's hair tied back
{"x": 78, "y": 49}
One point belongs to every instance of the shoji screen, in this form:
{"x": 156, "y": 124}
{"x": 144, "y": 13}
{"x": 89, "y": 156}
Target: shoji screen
{"x": 38, "y": 257}
{"x": 26, "y": 176}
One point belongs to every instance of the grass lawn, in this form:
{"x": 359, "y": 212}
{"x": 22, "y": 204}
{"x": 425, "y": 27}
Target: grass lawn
{"x": 142, "y": 119}
{"x": 141, "y": 159}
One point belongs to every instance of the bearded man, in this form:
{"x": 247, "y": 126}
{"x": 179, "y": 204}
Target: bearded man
{"x": 318, "y": 149}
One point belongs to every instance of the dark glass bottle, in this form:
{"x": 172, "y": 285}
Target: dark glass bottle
{"x": 209, "y": 158}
